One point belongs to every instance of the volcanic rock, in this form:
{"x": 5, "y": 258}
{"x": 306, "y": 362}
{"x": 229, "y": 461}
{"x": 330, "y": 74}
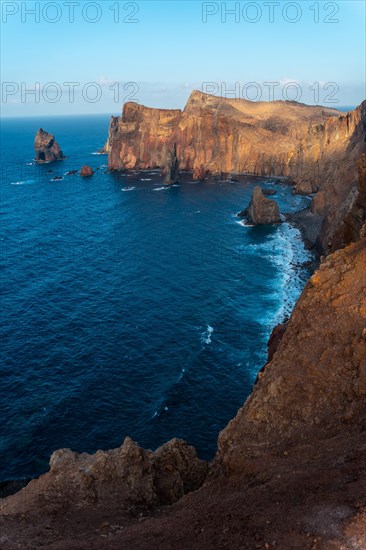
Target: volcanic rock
{"x": 261, "y": 210}
{"x": 171, "y": 170}
{"x": 86, "y": 171}
{"x": 46, "y": 147}
{"x": 128, "y": 475}
{"x": 312, "y": 146}
{"x": 199, "y": 173}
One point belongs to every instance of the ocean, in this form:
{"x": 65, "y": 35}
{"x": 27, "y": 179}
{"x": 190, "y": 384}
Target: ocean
{"x": 129, "y": 308}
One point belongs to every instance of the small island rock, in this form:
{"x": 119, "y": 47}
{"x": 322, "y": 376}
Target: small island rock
{"x": 46, "y": 147}
{"x": 86, "y": 171}
{"x": 261, "y": 210}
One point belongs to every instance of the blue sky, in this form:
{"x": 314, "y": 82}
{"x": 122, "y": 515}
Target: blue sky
{"x": 169, "y": 50}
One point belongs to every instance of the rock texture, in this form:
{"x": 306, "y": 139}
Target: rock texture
{"x": 315, "y": 147}
{"x": 171, "y": 169}
{"x": 315, "y": 385}
{"x": 199, "y": 173}
{"x": 86, "y": 171}
{"x": 261, "y": 210}
{"x": 46, "y": 147}
{"x": 128, "y": 476}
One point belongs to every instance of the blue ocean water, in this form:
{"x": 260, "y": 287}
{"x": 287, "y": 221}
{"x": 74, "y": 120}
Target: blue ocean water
{"x": 129, "y": 308}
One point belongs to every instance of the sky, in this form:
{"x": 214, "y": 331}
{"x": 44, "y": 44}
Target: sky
{"x": 78, "y": 57}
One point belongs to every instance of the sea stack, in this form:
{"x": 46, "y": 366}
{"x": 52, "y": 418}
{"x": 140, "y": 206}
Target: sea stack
{"x": 172, "y": 167}
{"x": 86, "y": 171}
{"x": 261, "y": 210}
{"x": 46, "y": 147}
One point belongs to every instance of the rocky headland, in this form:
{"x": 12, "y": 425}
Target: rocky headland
{"x": 46, "y": 147}
{"x": 290, "y": 468}
{"x": 316, "y": 148}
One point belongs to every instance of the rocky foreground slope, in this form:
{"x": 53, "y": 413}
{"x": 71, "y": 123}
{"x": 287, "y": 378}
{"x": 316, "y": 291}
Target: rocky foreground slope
{"x": 316, "y": 147}
{"x": 290, "y": 470}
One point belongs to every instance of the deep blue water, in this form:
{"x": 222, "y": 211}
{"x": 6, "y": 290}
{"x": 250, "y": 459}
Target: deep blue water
{"x": 141, "y": 312}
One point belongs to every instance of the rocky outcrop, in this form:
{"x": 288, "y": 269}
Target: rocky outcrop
{"x": 46, "y": 147}
{"x": 86, "y": 171}
{"x": 261, "y": 210}
{"x": 129, "y": 476}
{"x": 171, "y": 169}
{"x": 315, "y": 147}
{"x": 199, "y": 173}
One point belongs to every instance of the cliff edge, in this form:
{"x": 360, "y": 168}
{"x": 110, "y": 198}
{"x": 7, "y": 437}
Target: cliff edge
{"x": 317, "y": 148}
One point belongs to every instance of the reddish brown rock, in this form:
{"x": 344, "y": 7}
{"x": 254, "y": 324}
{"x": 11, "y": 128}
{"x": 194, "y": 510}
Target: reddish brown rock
{"x": 290, "y": 471}
{"x": 261, "y": 210}
{"x": 199, "y": 173}
{"x": 46, "y": 147}
{"x": 315, "y": 385}
{"x": 315, "y": 147}
{"x": 86, "y": 171}
{"x": 128, "y": 475}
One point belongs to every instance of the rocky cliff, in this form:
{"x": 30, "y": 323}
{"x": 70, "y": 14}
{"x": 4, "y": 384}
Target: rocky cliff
{"x": 290, "y": 470}
{"x": 316, "y": 147}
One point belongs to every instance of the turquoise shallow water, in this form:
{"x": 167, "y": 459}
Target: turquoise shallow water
{"x": 129, "y": 308}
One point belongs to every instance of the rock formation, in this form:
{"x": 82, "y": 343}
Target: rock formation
{"x": 129, "y": 475}
{"x": 199, "y": 173}
{"x": 290, "y": 470}
{"x": 261, "y": 210}
{"x": 86, "y": 171}
{"x": 315, "y": 147}
{"x": 46, "y": 148}
{"x": 171, "y": 169}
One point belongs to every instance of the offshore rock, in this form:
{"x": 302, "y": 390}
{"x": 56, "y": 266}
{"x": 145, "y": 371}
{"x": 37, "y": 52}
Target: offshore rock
{"x": 86, "y": 171}
{"x": 261, "y": 210}
{"x": 46, "y": 147}
{"x": 171, "y": 170}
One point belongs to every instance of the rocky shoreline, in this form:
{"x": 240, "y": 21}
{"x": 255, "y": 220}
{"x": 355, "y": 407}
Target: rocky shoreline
{"x": 290, "y": 469}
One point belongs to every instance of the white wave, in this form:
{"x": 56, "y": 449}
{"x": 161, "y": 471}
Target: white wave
{"x": 146, "y": 179}
{"x": 128, "y": 188}
{"x": 243, "y": 223}
{"x": 161, "y": 188}
{"x": 206, "y": 336}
